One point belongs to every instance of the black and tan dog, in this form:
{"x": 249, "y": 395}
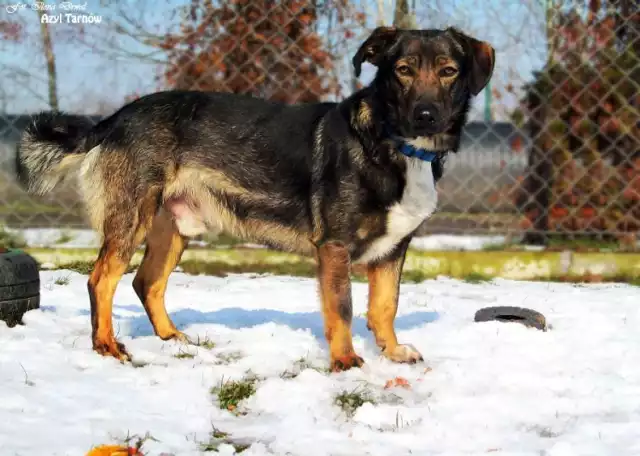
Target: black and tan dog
{"x": 348, "y": 182}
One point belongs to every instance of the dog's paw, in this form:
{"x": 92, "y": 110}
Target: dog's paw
{"x": 346, "y": 362}
{"x": 403, "y": 354}
{"x": 183, "y": 338}
{"x": 111, "y": 347}
{"x": 177, "y": 336}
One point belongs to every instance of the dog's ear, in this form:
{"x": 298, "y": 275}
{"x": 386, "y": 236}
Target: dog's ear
{"x": 483, "y": 58}
{"x": 372, "y": 50}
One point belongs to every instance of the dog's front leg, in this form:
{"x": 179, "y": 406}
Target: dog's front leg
{"x": 335, "y": 292}
{"x": 384, "y": 286}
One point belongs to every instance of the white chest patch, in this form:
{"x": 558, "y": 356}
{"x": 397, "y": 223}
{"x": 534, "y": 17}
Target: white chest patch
{"x": 419, "y": 201}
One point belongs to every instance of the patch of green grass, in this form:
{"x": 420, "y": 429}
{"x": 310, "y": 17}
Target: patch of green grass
{"x": 476, "y": 277}
{"x": 415, "y": 276}
{"x": 350, "y": 401}
{"x": 217, "y": 438}
{"x": 219, "y": 240}
{"x": 62, "y": 280}
{"x": 11, "y": 240}
{"x": 583, "y": 243}
{"x": 63, "y": 238}
{"x": 496, "y": 247}
{"x": 222, "y": 269}
{"x": 81, "y": 267}
{"x": 591, "y": 278}
{"x": 28, "y": 206}
{"x": 221, "y": 262}
{"x": 205, "y": 343}
{"x": 232, "y": 392}
{"x": 86, "y": 267}
{"x": 302, "y": 268}
{"x": 184, "y": 355}
{"x": 218, "y": 434}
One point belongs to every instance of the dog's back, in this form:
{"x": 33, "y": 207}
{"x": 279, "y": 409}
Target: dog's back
{"x": 216, "y": 161}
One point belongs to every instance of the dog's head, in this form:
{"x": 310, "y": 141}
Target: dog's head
{"x": 425, "y": 78}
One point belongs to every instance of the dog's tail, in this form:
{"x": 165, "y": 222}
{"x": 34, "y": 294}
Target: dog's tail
{"x": 51, "y": 148}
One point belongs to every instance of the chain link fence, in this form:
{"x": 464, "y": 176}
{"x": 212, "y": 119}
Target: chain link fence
{"x": 552, "y": 148}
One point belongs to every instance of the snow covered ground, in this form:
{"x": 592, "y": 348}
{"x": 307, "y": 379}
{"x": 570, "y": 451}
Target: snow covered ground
{"x": 57, "y": 237}
{"x": 493, "y": 387}
{"x": 77, "y": 238}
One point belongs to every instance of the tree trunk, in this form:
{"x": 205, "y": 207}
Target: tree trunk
{"x": 380, "y": 20}
{"x": 552, "y": 35}
{"x": 538, "y": 182}
{"x": 51, "y": 61}
{"x": 402, "y": 17}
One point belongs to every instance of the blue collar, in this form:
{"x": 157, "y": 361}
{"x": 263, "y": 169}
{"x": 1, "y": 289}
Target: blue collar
{"x": 422, "y": 154}
{"x": 408, "y": 150}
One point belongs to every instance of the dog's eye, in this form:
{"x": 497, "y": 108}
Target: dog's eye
{"x": 447, "y": 72}
{"x": 403, "y": 70}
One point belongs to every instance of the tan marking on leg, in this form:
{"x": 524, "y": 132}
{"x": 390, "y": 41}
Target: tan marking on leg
{"x": 335, "y": 293}
{"x": 163, "y": 251}
{"x": 102, "y": 284}
{"x": 384, "y": 285}
{"x": 122, "y": 234}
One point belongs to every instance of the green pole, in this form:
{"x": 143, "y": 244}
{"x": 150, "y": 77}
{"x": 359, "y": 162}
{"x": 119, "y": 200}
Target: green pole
{"x": 487, "y": 103}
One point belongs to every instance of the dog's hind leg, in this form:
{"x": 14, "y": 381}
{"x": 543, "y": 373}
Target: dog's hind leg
{"x": 335, "y": 292}
{"x": 122, "y": 233}
{"x": 164, "y": 247}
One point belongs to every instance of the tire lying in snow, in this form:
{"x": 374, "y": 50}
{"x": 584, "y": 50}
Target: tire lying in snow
{"x": 19, "y": 285}
{"x": 527, "y": 317}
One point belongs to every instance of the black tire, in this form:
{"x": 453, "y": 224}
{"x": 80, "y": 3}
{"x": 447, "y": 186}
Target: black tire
{"x": 527, "y": 317}
{"x": 19, "y": 285}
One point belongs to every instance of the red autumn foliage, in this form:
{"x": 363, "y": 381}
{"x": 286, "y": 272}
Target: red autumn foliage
{"x": 11, "y": 31}
{"x": 268, "y": 48}
{"x": 398, "y": 381}
{"x": 517, "y": 145}
{"x": 589, "y": 134}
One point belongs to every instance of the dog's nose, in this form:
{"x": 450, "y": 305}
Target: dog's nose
{"x": 424, "y": 115}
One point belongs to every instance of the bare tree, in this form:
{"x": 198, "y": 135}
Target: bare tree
{"x": 403, "y": 17}
{"x": 49, "y": 56}
{"x": 380, "y": 13}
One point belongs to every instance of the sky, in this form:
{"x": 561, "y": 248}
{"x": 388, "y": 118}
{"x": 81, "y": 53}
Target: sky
{"x": 93, "y": 77}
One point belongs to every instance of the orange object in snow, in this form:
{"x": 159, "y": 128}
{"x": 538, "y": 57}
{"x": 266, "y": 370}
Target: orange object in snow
{"x": 114, "y": 450}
